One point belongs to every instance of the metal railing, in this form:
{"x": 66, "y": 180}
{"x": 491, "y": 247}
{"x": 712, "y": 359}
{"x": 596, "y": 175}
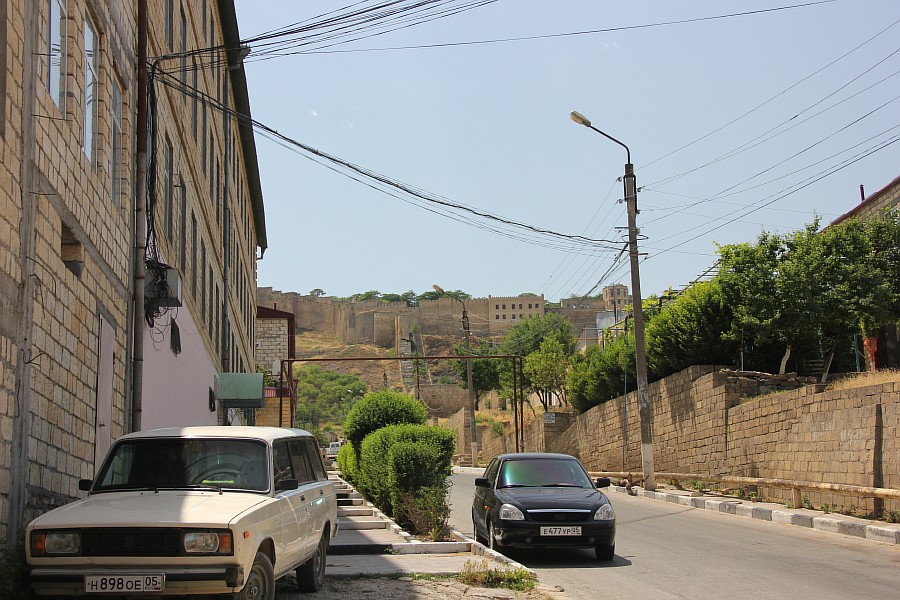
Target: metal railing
{"x": 795, "y": 486}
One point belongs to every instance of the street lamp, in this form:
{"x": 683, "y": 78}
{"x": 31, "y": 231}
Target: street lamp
{"x": 469, "y": 386}
{"x": 640, "y": 355}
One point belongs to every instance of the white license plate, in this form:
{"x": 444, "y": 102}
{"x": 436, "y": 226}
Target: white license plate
{"x": 118, "y": 584}
{"x": 574, "y": 530}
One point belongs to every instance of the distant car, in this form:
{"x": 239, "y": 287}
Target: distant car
{"x": 332, "y": 451}
{"x": 193, "y": 510}
{"x": 543, "y": 500}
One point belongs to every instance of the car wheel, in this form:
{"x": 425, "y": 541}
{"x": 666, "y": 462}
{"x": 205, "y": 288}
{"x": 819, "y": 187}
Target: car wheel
{"x": 605, "y": 552}
{"x": 478, "y": 537}
{"x": 492, "y": 537}
{"x": 311, "y": 574}
{"x": 260, "y": 582}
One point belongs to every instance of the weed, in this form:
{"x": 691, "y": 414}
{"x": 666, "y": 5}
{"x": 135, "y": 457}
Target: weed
{"x": 825, "y": 508}
{"x": 752, "y": 495}
{"x": 891, "y": 516}
{"x": 13, "y": 573}
{"x": 426, "y": 511}
{"x": 697, "y": 485}
{"x": 806, "y": 502}
{"x": 484, "y": 575}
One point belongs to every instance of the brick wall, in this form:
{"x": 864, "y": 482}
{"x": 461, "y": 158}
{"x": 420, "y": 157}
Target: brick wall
{"x": 701, "y": 424}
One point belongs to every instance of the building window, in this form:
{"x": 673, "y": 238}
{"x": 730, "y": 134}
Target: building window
{"x": 195, "y": 94}
{"x": 193, "y": 255}
{"x": 182, "y": 225}
{"x": 56, "y": 51}
{"x": 182, "y": 47}
{"x": 170, "y": 24}
{"x": 504, "y": 317}
{"x": 168, "y": 188}
{"x": 504, "y": 307}
{"x": 514, "y": 317}
{"x": 497, "y": 317}
{"x": 90, "y": 86}
{"x": 203, "y": 143}
{"x": 496, "y": 307}
{"x": 203, "y": 282}
{"x": 117, "y": 158}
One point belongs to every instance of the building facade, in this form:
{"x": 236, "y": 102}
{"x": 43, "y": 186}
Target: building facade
{"x": 98, "y": 334}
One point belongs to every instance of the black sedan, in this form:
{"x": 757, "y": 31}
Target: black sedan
{"x": 543, "y": 500}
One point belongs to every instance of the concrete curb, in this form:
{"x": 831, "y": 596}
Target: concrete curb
{"x": 887, "y": 533}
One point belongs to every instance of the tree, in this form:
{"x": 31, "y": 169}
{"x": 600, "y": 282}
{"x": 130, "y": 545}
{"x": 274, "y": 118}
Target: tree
{"x": 601, "y": 373}
{"x": 317, "y": 292}
{"x": 546, "y": 369}
{"x": 370, "y": 295}
{"x": 526, "y": 337}
{"x": 485, "y": 371}
{"x": 325, "y": 397}
{"x": 689, "y": 331}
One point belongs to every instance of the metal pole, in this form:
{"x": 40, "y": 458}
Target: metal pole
{"x": 471, "y": 388}
{"x": 640, "y": 356}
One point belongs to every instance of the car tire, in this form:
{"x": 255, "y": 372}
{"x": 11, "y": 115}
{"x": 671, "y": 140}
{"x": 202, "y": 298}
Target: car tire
{"x": 260, "y": 581}
{"x": 492, "y": 538}
{"x": 605, "y": 552}
{"x": 478, "y": 537}
{"x": 311, "y": 574}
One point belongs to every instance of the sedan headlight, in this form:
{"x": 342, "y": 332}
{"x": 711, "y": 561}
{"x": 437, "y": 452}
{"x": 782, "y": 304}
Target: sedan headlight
{"x": 511, "y": 513}
{"x": 55, "y": 543}
{"x": 208, "y": 542}
{"x": 605, "y": 513}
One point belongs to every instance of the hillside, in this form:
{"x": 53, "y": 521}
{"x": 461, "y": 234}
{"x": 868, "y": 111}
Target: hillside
{"x": 312, "y": 344}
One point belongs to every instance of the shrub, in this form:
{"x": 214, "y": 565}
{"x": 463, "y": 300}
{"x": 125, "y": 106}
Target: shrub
{"x": 347, "y": 462}
{"x": 380, "y": 409}
{"x": 424, "y": 455}
{"x": 425, "y": 512}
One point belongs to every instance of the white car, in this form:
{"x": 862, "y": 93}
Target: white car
{"x": 193, "y": 510}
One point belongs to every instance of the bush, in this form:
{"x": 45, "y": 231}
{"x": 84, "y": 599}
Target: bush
{"x": 347, "y": 462}
{"x": 425, "y": 512}
{"x": 380, "y": 409}
{"x": 423, "y": 458}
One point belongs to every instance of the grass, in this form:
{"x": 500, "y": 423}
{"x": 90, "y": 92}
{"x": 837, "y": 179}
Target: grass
{"x": 865, "y": 379}
{"x": 482, "y": 574}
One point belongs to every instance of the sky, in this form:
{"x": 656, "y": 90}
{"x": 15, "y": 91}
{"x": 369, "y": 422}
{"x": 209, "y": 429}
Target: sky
{"x": 467, "y": 171}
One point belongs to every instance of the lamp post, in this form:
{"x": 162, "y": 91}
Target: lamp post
{"x": 469, "y": 386}
{"x": 640, "y": 356}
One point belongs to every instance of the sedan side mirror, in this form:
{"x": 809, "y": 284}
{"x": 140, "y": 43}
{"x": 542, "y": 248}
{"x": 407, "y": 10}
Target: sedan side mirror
{"x": 603, "y": 482}
{"x": 481, "y": 482}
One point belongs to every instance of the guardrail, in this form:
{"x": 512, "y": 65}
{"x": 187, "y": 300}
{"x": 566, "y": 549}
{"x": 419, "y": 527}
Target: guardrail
{"x": 795, "y": 486}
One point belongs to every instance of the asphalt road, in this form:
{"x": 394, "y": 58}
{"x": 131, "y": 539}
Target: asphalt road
{"x": 666, "y": 551}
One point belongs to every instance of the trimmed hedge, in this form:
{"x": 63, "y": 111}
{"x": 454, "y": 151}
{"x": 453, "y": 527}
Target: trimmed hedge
{"x": 347, "y": 462}
{"x": 380, "y": 409}
{"x": 403, "y": 458}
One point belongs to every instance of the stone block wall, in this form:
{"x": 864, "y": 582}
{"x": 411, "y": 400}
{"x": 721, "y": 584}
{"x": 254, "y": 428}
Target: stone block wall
{"x": 702, "y": 425}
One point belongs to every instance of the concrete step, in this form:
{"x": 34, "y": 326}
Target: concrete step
{"x": 361, "y": 522}
{"x": 355, "y": 511}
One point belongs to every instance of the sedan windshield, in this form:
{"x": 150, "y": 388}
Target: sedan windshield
{"x": 542, "y": 473}
{"x": 173, "y": 463}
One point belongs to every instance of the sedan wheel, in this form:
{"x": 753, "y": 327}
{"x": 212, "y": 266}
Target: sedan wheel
{"x": 311, "y": 574}
{"x": 492, "y": 537}
{"x": 605, "y": 552}
{"x": 260, "y": 582}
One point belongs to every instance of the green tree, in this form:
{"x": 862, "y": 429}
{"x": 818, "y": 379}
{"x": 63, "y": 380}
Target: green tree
{"x": 317, "y": 292}
{"x": 324, "y": 397}
{"x": 485, "y": 371}
{"x": 546, "y": 369}
{"x": 601, "y": 373}
{"x": 526, "y": 337}
{"x": 690, "y": 331}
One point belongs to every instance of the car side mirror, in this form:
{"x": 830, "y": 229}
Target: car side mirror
{"x": 481, "y": 482}
{"x": 603, "y": 482}
{"x": 285, "y": 485}
{"x": 85, "y": 484}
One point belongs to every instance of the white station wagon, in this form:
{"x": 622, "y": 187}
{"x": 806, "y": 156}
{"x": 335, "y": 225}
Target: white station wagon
{"x": 192, "y": 510}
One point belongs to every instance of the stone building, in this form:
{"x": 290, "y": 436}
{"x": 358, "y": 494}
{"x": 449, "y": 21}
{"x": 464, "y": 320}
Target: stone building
{"x": 78, "y": 289}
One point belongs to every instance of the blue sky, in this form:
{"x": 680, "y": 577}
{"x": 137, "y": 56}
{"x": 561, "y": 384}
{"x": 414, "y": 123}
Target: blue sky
{"x": 735, "y": 125}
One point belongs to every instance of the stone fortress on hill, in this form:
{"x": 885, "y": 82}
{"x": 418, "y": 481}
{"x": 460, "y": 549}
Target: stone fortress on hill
{"x": 384, "y": 323}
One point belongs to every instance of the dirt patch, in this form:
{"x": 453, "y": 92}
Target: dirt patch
{"x": 390, "y": 588}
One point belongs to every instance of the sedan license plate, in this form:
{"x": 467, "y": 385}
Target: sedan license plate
{"x": 117, "y": 584}
{"x": 574, "y": 530}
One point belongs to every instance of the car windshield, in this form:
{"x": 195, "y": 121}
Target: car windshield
{"x": 544, "y": 472}
{"x": 175, "y": 463}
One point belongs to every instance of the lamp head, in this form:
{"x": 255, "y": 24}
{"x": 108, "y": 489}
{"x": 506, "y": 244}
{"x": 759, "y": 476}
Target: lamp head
{"x": 579, "y": 118}
{"x": 438, "y": 289}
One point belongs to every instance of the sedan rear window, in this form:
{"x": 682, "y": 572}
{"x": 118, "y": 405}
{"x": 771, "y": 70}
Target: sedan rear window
{"x": 185, "y": 463}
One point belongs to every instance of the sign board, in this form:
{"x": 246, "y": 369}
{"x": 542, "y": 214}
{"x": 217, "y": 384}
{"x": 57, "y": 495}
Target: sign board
{"x": 549, "y": 418}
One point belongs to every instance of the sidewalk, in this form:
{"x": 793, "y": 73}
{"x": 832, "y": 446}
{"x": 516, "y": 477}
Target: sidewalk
{"x": 877, "y": 531}
{"x": 370, "y": 543}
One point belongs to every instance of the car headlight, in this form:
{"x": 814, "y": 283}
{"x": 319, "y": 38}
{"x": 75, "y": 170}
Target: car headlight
{"x": 208, "y": 542}
{"x": 511, "y": 513}
{"x": 55, "y": 543}
{"x": 605, "y": 513}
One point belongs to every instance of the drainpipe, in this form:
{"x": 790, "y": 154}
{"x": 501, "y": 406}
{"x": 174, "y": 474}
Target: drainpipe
{"x": 24, "y": 308}
{"x": 140, "y": 223}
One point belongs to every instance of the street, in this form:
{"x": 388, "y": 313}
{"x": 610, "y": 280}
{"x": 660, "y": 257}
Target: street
{"x": 665, "y": 550}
